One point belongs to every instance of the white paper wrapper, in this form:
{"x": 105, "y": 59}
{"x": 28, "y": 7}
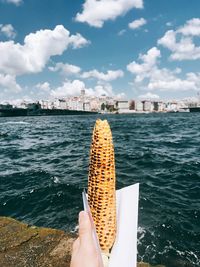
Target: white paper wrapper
{"x": 124, "y": 251}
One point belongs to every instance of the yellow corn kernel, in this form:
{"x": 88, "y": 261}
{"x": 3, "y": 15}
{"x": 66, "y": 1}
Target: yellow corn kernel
{"x": 101, "y": 184}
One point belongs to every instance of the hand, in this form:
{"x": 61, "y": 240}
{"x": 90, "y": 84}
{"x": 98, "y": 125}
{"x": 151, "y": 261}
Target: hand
{"x": 84, "y": 253}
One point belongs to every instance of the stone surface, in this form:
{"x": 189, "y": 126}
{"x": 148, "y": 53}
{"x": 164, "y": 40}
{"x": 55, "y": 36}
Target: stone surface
{"x": 22, "y": 245}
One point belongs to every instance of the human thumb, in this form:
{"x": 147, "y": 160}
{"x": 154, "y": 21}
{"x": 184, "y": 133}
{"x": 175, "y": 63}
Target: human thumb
{"x": 85, "y": 228}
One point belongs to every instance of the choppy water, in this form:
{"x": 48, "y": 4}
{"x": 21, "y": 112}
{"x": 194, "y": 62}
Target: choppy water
{"x": 44, "y": 165}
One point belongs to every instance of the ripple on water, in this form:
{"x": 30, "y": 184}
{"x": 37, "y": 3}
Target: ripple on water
{"x": 44, "y": 166}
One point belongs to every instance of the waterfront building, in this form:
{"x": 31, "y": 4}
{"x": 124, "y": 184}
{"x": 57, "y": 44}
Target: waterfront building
{"x": 45, "y": 104}
{"x": 171, "y": 106}
{"x": 6, "y": 106}
{"x": 122, "y": 106}
{"x": 147, "y": 106}
{"x": 95, "y": 104}
{"x": 193, "y": 104}
{"x": 82, "y": 92}
{"x": 34, "y": 106}
{"x": 62, "y": 104}
{"x": 132, "y": 105}
{"x": 23, "y": 104}
{"x": 86, "y": 106}
{"x": 105, "y": 104}
{"x": 158, "y": 106}
{"x": 75, "y": 104}
{"x": 56, "y": 104}
{"x": 138, "y": 106}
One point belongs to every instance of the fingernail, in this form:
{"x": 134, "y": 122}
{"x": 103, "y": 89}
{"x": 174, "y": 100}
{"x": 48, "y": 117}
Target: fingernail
{"x": 82, "y": 216}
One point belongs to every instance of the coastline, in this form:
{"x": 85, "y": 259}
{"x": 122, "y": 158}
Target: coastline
{"x": 23, "y": 245}
{"x": 18, "y": 112}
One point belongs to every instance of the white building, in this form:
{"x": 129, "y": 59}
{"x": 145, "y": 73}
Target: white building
{"x": 171, "y": 106}
{"x": 86, "y": 106}
{"x": 138, "y": 106}
{"x": 147, "y": 106}
{"x": 158, "y": 106}
{"x": 95, "y": 104}
{"x": 62, "y": 104}
{"x": 122, "y": 106}
{"x": 75, "y": 104}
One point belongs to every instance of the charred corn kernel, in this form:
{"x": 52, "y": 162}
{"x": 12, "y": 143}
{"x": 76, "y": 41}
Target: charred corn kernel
{"x": 101, "y": 184}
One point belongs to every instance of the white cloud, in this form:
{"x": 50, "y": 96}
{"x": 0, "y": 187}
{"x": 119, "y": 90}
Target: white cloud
{"x": 96, "y": 12}
{"x": 149, "y": 96}
{"x": 151, "y": 77}
{"x": 122, "y": 32}
{"x": 8, "y": 82}
{"x": 103, "y": 89}
{"x": 73, "y": 88}
{"x": 109, "y": 76}
{"x": 181, "y": 42}
{"x": 137, "y": 23}
{"x": 169, "y": 24}
{"x": 68, "y": 88}
{"x": 43, "y": 86}
{"x": 78, "y": 41}
{"x": 66, "y": 69}
{"x": 149, "y": 62}
{"x": 168, "y": 40}
{"x": 167, "y": 81}
{"x": 120, "y": 96}
{"x": 15, "y": 2}
{"x": 38, "y": 48}
{"x": 192, "y": 27}
{"x": 8, "y": 30}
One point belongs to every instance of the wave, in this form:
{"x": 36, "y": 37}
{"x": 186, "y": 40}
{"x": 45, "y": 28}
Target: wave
{"x": 43, "y": 169}
{"x": 4, "y": 134}
{"x": 14, "y": 122}
{"x": 155, "y": 250}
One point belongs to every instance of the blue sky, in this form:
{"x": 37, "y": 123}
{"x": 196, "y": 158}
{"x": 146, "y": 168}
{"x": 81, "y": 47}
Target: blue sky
{"x": 123, "y": 48}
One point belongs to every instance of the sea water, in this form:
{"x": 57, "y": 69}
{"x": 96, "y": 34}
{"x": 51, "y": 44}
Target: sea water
{"x": 44, "y": 167}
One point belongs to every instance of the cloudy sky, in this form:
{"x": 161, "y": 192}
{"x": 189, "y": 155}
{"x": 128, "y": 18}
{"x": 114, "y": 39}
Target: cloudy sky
{"x": 122, "y": 48}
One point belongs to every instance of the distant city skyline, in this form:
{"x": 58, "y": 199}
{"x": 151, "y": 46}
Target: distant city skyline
{"x": 105, "y": 104}
{"x": 131, "y": 49}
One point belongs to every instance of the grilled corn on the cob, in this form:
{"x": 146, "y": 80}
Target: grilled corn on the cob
{"x": 101, "y": 185}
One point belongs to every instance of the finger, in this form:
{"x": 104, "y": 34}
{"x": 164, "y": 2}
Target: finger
{"x": 85, "y": 228}
{"x": 76, "y": 245}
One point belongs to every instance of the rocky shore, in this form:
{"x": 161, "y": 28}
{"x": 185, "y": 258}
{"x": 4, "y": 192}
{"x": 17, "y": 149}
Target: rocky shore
{"x": 22, "y": 245}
